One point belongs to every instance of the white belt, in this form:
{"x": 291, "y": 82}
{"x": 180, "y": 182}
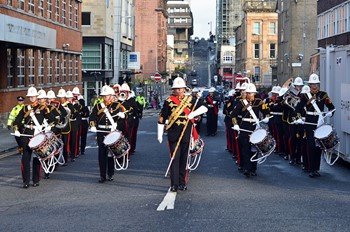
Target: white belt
{"x": 84, "y": 118}
{"x": 248, "y": 120}
{"x": 104, "y": 126}
{"x": 314, "y": 113}
{"x": 32, "y": 127}
{"x": 276, "y": 113}
{"x": 72, "y": 119}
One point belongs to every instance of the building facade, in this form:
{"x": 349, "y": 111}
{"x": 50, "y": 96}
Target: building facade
{"x": 40, "y": 45}
{"x": 151, "y": 37}
{"x": 297, "y": 39}
{"x": 256, "y": 41}
{"x": 180, "y": 25}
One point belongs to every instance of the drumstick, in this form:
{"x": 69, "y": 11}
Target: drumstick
{"x": 249, "y": 131}
{"x": 24, "y": 135}
{"x": 103, "y": 131}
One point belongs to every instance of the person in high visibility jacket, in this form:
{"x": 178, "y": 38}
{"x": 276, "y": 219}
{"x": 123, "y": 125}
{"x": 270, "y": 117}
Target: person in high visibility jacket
{"x": 140, "y": 99}
{"x": 14, "y": 112}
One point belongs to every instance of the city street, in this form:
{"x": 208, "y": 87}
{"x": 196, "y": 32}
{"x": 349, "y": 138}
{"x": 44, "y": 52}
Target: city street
{"x": 219, "y": 198}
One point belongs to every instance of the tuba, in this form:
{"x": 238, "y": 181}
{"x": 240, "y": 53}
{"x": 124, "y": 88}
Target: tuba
{"x": 63, "y": 124}
{"x": 290, "y": 98}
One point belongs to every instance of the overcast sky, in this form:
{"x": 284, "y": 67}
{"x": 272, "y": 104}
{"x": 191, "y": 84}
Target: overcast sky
{"x": 203, "y": 11}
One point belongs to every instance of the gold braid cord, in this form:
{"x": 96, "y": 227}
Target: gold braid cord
{"x": 186, "y": 102}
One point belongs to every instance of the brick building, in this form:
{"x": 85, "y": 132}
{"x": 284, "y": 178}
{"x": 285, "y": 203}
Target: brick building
{"x": 40, "y": 45}
{"x": 151, "y": 36}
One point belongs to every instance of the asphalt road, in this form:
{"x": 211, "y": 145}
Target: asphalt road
{"x": 219, "y": 198}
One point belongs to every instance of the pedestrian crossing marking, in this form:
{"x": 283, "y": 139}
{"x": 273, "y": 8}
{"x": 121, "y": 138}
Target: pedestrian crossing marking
{"x": 168, "y": 201}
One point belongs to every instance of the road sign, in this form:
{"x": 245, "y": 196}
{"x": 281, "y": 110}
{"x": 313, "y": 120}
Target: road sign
{"x": 157, "y": 77}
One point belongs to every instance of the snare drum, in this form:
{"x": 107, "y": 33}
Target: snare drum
{"x": 117, "y": 143}
{"x": 42, "y": 146}
{"x": 263, "y": 141}
{"x": 326, "y": 137}
{"x": 55, "y": 141}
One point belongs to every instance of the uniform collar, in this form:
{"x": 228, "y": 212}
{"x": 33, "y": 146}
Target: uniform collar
{"x": 250, "y": 99}
{"x": 34, "y": 104}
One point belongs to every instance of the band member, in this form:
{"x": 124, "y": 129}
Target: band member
{"x": 227, "y": 111}
{"x": 84, "y": 113}
{"x": 305, "y": 90}
{"x": 76, "y": 104}
{"x": 314, "y": 103}
{"x": 14, "y": 112}
{"x": 141, "y": 101}
{"x": 30, "y": 121}
{"x": 213, "y": 112}
{"x": 103, "y": 117}
{"x": 75, "y": 120}
{"x": 198, "y": 120}
{"x": 179, "y": 110}
{"x": 248, "y": 109}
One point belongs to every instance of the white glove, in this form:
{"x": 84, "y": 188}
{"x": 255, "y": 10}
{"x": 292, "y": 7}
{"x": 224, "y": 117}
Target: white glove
{"x": 265, "y": 120}
{"x": 93, "y": 129}
{"x": 47, "y": 129}
{"x": 320, "y": 121}
{"x": 17, "y": 134}
{"x": 329, "y": 114}
{"x": 160, "y": 130}
{"x": 214, "y": 102}
{"x": 121, "y": 115}
{"x": 199, "y": 94}
{"x": 114, "y": 127}
{"x": 236, "y": 128}
{"x": 191, "y": 116}
{"x": 299, "y": 121}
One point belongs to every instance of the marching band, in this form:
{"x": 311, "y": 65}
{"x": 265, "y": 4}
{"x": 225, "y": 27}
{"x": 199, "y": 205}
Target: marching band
{"x": 290, "y": 123}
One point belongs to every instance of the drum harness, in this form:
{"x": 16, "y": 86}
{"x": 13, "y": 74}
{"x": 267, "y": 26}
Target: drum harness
{"x": 38, "y": 128}
{"x": 109, "y": 116}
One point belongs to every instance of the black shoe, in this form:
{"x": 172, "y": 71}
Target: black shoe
{"x": 82, "y": 153}
{"x": 101, "y": 180}
{"x": 317, "y": 174}
{"x": 173, "y": 188}
{"x": 182, "y": 187}
{"x": 240, "y": 169}
{"x": 36, "y": 184}
{"x": 25, "y": 186}
{"x": 110, "y": 178}
{"x": 312, "y": 174}
{"x": 285, "y": 157}
{"x": 47, "y": 176}
{"x": 304, "y": 169}
{"x": 65, "y": 164}
{"x": 72, "y": 160}
{"x": 253, "y": 173}
{"x": 291, "y": 162}
{"x": 246, "y": 173}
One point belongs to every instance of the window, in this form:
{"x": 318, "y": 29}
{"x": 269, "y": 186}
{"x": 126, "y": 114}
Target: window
{"x": 272, "y": 29}
{"x": 108, "y": 57}
{"x": 41, "y": 8}
{"x": 21, "y": 4}
{"x": 9, "y": 2}
{"x": 31, "y": 67}
{"x": 76, "y": 69}
{"x": 9, "y": 68}
{"x": 70, "y": 13}
{"x": 273, "y": 51}
{"x": 76, "y": 19}
{"x": 70, "y": 69}
{"x": 57, "y": 68}
{"x": 20, "y": 67}
{"x": 256, "y": 29}
{"x": 41, "y": 67}
{"x": 256, "y": 51}
{"x": 92, "y": 56}
{"x": 49, "y": 68}
{"x": 64, "y": 4}
{"x": 49, "y": 9}
{"x": 31, "y": 6}
{"x": 86, "y": 18}
{"x": 64, "y": 68}
{"x": 57, "y": 10}
{"x": 228, "y": 58}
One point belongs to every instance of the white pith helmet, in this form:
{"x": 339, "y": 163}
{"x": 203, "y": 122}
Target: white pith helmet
{"x": 298, "y": 81}
{"x": 125, "y": 87}
{"x": 69, "y": 94}
{"x": 51, "y": 94}
{"x": 305, "y": 89}
{"x": 314, "y": 79}
{"x": 107, "y": 90}
{"x": 178, "y": 83}
{"x": 238, "y": 86}
{"x": 61, "y": 93}
{"x": 212, "y": 90}
{"x": 195, "y": 90}
{"x": 32, "y": 92}
{"x": 243, "y": 86}
{"x": 41, "y": 94}
{"x": 76, "y": 90}
{"x": 251, "y": 88}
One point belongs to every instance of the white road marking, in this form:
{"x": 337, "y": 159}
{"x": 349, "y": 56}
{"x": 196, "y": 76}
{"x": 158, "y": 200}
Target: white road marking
{"x": 168, "y": 201}
{"x": 91, "y": 147}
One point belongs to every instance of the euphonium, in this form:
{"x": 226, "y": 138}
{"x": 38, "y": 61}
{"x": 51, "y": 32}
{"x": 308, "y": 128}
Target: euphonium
{"x": 291, "y": 98}
{"x": 63, "y": 124}
{"x": 122, "y": 96}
